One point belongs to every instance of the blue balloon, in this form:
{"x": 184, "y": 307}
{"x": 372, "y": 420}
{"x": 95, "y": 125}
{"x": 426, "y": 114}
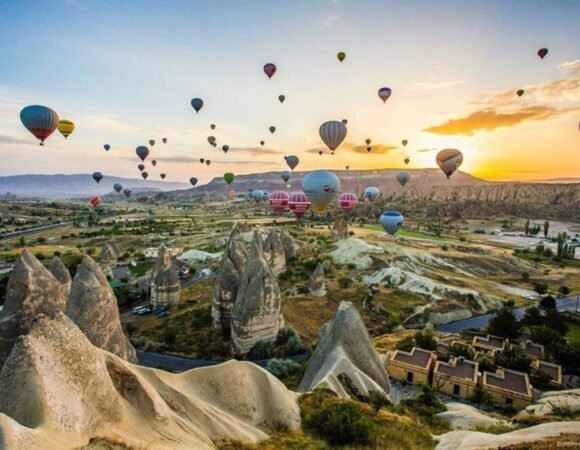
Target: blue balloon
{"x": 257, "y": 195}
{"x": 97, "y": 176}
{"x": 391, "y": 221}
{"x": 266, "y": 196}
{"x": 197, "y": 104}
{"x": 107, "y": 147}
{"x": 40, "y": 120}
{"x": 372, "y": 193}
{"x": 118, "y": 187}
{"x": 321, "y": 187}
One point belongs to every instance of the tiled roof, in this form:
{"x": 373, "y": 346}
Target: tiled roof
{"x": 508, "y": 380}
{"x": 458, "y": 368}
{"x": 489, "y": 341}
{"x": 417, "y": 357}
{"x": 551, "y": 369}
{"x": 532, "y": 349}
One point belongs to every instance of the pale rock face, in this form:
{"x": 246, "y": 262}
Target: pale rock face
{"x": 232, "y": 266}
{"x": 317, "y": 285}
{"x": 339, "y": 229}
{"x": 274, "y": 252}
{"x": 31, "y": 290}
{"x": 465, "y": 417}
{"x": 345, "y": 359}
{"x": 291, "y": 247}
{"x": 257, "y": 313}
{"x": 108, "y": 256}
{"x": 61, "y": 273}
{"x": 57, "y": 391}
{"x": 165, "y": 284}
{"x": 92, "y": 306}
{"x": 543, "y": 406}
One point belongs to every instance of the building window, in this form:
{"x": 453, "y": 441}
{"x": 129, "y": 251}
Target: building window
{"x": 509, "y": 401}
{"x": 456, "y": 389}
{"x": 410, "y": 377}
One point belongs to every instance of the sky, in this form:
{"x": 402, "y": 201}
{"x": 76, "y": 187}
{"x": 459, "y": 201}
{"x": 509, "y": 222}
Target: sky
{"x": 125, "y": 72}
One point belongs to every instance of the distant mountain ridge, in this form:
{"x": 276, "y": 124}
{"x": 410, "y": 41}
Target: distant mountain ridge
{"x": 76, "y": 185}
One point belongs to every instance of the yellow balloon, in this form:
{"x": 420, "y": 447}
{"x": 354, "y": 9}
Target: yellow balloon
{"x": 66, "y": 127}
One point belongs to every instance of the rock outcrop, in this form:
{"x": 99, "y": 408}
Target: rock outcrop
{"x": 339, "y": 229}
{"x": 58, "y": 391}
{"x": 32, "y": 289}
{"x": 256, "y": 315}
{"x": 61, "y": 273}
{"x": 475, "y": 440}
{"x": 108, "y": 256}
{"x": 545, "y": 404}
{"x": 232, "y": 266}
{"x": 345, "y": 360}
{"x": 275, "y": 253}
{"x": 460, "y": 416}
{"x": 291, "y": 247}
{"x": 92, "y": 305}
{"x": 317, "y": 285}
{"x": 165, "y": 284}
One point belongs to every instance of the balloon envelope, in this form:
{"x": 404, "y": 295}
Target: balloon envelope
{"x": 40, "y": 120}
{"x": 542, "y": 52}
{"x": 520, "y": 92}
{"x": 197, "y": 104}
{"x": 272, "y": 129}
{"x": 141, "y": 167}
{"x": 144, "y": 175}
{"x": 127, "y": 192}
{"x": 193, "y": 181}
{"x": 212, "y": 126}
{"x": 391, "y": 221}
{"x": 151, "y": 142}
{"x": 107, "y": 147}
{"x": 270, "y": 69}
{"x": 321, "y": 187}
{"x": 384, "y": 93}
{"x": 211, "y": 139}
{"x": 403, "y": 178}
{"x": 154, "y": 163}
{"x": 163, "y": 175}
{"x": 262, "y": 143}
{"x": 279, "y": 200}
{"x": 292, "y": 161}
{"x": 286, "y": 175}
{"x": 299, "y": 204}
{"x": 164, "y": 140}
{"x": 449, "y": 160}
{"x": 341, "y": 56}
{"x": 281, "y": 98}
{"x": 332, "y": 133}
{"x": 404, "y": 142}
{"x": 97, "y": 176}
{"x": 372, "y": 193}
{"x": 142, "y": 152}
{"x": 258, "y": 195}
{"x": 225, "y": 148}
{"x": 229, "y": 177}
{"x": 95, "y": 201}
{"x": 118, "y": 187}
{"x": 406, "y": 160}
{"x": 347, "y": 201}
{"x": 65, "y": 127}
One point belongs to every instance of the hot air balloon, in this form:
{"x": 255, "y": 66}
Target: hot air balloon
{"x": 41, "y": 121}
{"x": 97, "y": 176}
{"x": 266, "y": 196}
{"x": 347, "y": 202}
{"x": 118, "y": 187}
{"x": 207, "y": 162}
{"x": 299, "y": 204}
{"x": 144, "y": 175}
{"x": 403, "y": 178}
{"x": 384, "y": 93}
{"x": 344, "y": 121}
{"x": 320, "y": 152}
{"x": 391, "y": 221}
{"x": 142, "y": 152}
{"x": 292, "y": 161}
{"x": 279, "y": 201}
{"x": 272, "y": 129}
{"x": 127, "y": 192}
{"x": 341, "y": 56}
{"x": 269, "y": 70}
{"x": 141, "y": 167}
{"x": 229, "y": 177}
{"x": 286, "y": 175}
{"x": 520, "y": 92}
{"x": 163, "y": 175}
{"x": 107, "y": 147}
{"x": 449, "y": 160}
{"x": 211, "y": 140}
{"x": 193, "y": 181}
{"x": 197, "y": 104}
{"x": 154, "y": 163}
{"x": 258, "y": 195}
{"x": 321, "y": 187}
{"x": 232, "y": 195}
{"x": 406, "y": 160}
{"x": 347, "y": 167}
{"x": 542, "y": 52}
{"x": 151, "y": 142}
{"x": 262, "y": 143}
{"x": 66, "y": 127}
{"x": 372, "y": 193}
{"x": 225, "y": 148}
{"x": 368, "y": 141}
{"x": 95, "y": 201}
{"x": 142, "y": 198}
{"x": 404, "y": 142}
{"x": 281, "y": 98}
{"x": 332, "y": 133}
{"x": 369, "y": 148}
{"x": 201, "y": 160}
{"x": 164, "y": 140}
{"x": 212, "y": 126}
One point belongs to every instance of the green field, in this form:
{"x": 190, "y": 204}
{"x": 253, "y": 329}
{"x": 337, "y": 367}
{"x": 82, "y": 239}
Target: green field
{"x": 573, "y": 334}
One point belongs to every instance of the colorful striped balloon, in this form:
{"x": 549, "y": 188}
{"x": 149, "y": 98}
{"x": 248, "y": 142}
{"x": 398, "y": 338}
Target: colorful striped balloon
{"x": 40, "y": 120}
{"x": 279, "y": 200}
{"x": 347, "y": 201}
{"x": 332, "y": 133}
{"x": 66, "y": 127}
{"x": 299, "y": 204}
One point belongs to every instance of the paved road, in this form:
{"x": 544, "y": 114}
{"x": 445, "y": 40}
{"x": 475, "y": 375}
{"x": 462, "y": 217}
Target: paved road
{"x": 177, "y": 364}
{"x": 563, "y": 304}
{"x": 35, "y": 230}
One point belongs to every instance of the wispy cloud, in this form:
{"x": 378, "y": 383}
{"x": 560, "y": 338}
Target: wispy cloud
{"x": 490, "y": 119}
{"x": 354, "y": 148}
{"x": 432, "y": 85}
{"x": 255, "y": 151}
{"x": 331, "y": 20}
{"x": 425, "y": 150}
{"x": 244, "y": 163}
{"x": 12, "y": 140}
{"x": 571, "y": 67}
{"x": 107, "y": 122}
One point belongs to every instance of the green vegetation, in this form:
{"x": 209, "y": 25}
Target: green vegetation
{"x": 142, "y": 268}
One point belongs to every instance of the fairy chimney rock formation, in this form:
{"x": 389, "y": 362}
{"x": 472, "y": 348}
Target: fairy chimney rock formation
{"x": 92, "y": 305}
{"x": 275, "y": 253}
{"x": 317, "y": 285}
{"x": 339, "y": 229}
{"x": 31, "y": 290}
{"x": 345, "y": 359}
{"x": 61, "y": 273}
{"x": 232, "y": 266}
{"x": 108, "y": 256}
{"x": 256, "y": 316}
{"x": 165, "y": 284}
{"x": 290, "y": 245}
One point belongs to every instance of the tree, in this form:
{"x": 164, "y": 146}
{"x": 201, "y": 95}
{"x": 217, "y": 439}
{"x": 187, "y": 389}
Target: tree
{"x": 564, "y": 290}
{"x": 546, "y": 228}
{"x": 532, "y": 317}
{"x": 504, "y": 324}
{"x": 513, "y": 357}
{"x": 480, "y": 397}
{"x": 541, "y": 287}
{"x": 548, "y": 302}
{"x": 460, "y": 349}
{"x": 406, "y": 344}
{"x": 527, "y": 227}
{"x": 425, "y": 339}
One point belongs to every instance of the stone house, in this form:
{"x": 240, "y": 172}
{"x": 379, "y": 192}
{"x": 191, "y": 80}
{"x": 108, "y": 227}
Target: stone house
{"x": 488, "y": 345}
{"x": 508, "y": 387}
{"x": 551, "y": 369}
{"x": 458, "y": 377}
{"x": 412, "y": 367}
{"x": 532, "y": 350}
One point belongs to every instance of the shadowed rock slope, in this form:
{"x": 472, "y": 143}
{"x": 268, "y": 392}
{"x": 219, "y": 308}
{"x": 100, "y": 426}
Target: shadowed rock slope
{"x": 57, "y": 391}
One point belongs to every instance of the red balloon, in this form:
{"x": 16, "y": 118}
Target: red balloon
{"x": 347, "y": 201}
{"x": 298, "y": 204}
{"x": 542, "y": 52}
{"x": 144, "y": 175}
{"x": 270, "y": 70}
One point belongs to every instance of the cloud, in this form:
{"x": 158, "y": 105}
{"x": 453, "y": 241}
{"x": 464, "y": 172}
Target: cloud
{"x": 243, "y": 163}
{"x": 425, "y": 150}
{"x": 256, "y": 151}
{"x": 571, "y": 67}
{"x": 354, "y": 148}
{"x": 432, "y": 85}
{"x": 106, "y": 122}
{"x": 490, "y": 119}
{"x": 331, "y": 20}
{"x": 11, "y": 140}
